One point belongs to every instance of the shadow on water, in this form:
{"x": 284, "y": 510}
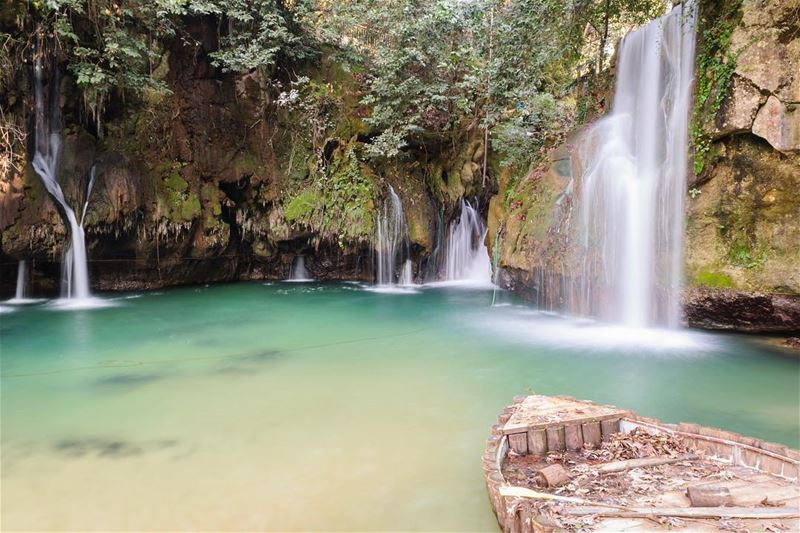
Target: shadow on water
{"x": 110, "y": 448}
{"x": 127, "y": 381}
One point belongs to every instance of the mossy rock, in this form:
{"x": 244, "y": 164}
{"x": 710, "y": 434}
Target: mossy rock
{"x": 302, "y": 205}
{"x": 711, "y": 278}
{"x": 174, "y": 195}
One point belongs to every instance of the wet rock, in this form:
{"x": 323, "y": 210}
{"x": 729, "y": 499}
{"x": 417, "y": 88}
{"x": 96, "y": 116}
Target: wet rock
{"x": 753, "y": 312}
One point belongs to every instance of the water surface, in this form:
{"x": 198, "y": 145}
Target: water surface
{"x": 313, "y": 406}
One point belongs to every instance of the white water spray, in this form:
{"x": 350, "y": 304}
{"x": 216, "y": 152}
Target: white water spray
{"x": 75, "y": 272}
{"x": 631, "y": 194}
{"x": 392, "y": 257}
{"x": 299, "y": 272}
{"x": 467, "y": 256}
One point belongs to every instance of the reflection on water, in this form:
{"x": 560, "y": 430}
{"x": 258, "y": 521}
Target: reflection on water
{"x": 262, "y": 406}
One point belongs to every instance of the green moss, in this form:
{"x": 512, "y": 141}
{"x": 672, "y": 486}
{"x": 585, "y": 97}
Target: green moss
{"x": 301, "y": 206}
{"x": 716, "y": 63}
{"x": 174, "y": 195}
{"x": 710, "y": 278}
{"x": 338, "y": 204}
{"x": 176, "y": 183}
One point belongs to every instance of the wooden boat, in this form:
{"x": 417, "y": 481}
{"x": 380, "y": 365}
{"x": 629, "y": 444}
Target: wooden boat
{"x": 560, "y": 464}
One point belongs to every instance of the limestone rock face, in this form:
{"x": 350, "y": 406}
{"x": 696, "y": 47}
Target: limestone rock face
{"x": 738, "y": 111}
{"x": 767, "y": 49}
{"x": 743, "y": 224}
{"x": 779, "y": 124}
{"x": 767, "y": 44}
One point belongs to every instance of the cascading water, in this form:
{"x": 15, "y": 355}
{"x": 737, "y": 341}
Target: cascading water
{"x": 467, "y": 257}
{"x": 75, "y": 273}
{"x": 22, "y": 281}
{"x": 393, "y": 257}
{"x": 631, "y": 194}
{"x": 299, "y": 272}
{"x": 88, "y": 193}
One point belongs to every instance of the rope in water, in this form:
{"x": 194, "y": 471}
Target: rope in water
{"x": 125, "y": 363}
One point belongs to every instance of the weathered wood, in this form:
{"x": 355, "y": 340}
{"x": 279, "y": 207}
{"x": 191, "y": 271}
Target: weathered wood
{"x": 686, "y": 512}
{"x": 537, "y": 441}
{"x": 522, "y": 492}
{"x": 555, "y": 439}
{"x": 709, "y": 496}
{"x": 591, "y": 434}
{"x": 609, "y": 427}
{"x": 539, "y": 412}
{"x": 620, "y": 466}
{"x": 519, "y": 443}
{"x": 552, "y": 476}
{"x": 755, "y": 493}
{"x": 573, "y": 437}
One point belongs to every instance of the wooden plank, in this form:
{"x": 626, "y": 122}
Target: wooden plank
{"x": 620, "y": 466}
{"x": 555, "y": 439}
{"x": 609, "y": 427}
{"x": 538, "y": 412}
{"x": 573, "y": 437}
{"x": 770, "y": 513}
{"x": 518, "y": 443}
{"x": 537, "y": 441}
{"x": 591, "y": 433}
{"x": 755, "y": 493}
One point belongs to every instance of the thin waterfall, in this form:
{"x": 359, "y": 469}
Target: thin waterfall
{"x": 393, "y": 256}
{"x": 467, "y": 257}
{"x": 630, "y": 198}
{"x": 75, "y": 272}
{"x": 88, "y": 193}
{"x": 299, "y": 272}
{"x": 22, "y": 281}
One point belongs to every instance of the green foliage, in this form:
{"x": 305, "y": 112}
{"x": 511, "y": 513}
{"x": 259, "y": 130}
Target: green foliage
{"x": 301, "y": 206}
{"x": 519, "y": 138}
{"x": 740, "y": 253}
{"x": 257, "y": 33}
{"x": 109, "y": 45}
{"x": 716, "y": 63}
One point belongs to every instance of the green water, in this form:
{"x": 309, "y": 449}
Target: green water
{"x": 307, "y": 406}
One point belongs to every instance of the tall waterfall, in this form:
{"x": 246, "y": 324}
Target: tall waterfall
{"x": 467, "y": 257}
{"x": 393, "y": 257}
{"x": 631, "y": 195}
{"x": 75, "y": 273}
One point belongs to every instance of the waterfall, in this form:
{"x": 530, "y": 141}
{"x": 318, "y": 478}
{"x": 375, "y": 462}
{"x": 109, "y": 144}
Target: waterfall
{"x": 22, "y": 281}
{"x": 393, "y": 257}
{"x": 630, "y": 198}
{"x": 88, "y": 194}
{"x": 467, "y": 257}
{"x": 299, "y": 272}
{"x": 75, "y": 273}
